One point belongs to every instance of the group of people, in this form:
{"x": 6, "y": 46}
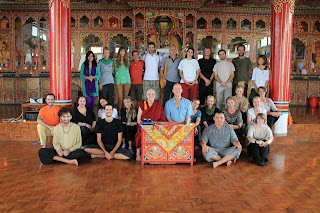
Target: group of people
{"x": 190, "y": 84}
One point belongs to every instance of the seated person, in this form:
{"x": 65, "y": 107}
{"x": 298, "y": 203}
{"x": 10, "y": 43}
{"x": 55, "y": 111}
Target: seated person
{"x": 86, "y": 119}
{"x": 66, "y": 142}
{"x": 129, "y": 121}
{"x": 196, "y": 119}
{"x": 233, "y": 116}
{"x": 149, "y": 109}
{"x": 109, "y": 138}
{"x": 103, "y": 102}
{"x": 208, "y": 112}
{"x": 273, "y": 113}
{"x": 253, "y": 112}
{"x": 177, "y": 109}
{"x": 224, "y": 146}
{"x": 242, "y": 103}
{"x": 259, "y": 137}
{"x": 47, "y": 119}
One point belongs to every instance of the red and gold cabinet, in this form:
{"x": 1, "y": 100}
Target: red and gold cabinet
{"x": 167, "y": 143}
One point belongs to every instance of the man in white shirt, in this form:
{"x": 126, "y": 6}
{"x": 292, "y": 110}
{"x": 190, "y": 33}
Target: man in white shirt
{"x": 151, "y": 74}
{"x": 224, "y": 74}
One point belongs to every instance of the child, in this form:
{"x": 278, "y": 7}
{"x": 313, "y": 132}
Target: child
{"x": 196, "y": 118}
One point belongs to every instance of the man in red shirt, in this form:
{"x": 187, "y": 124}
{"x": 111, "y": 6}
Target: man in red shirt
{"x": 136, "y": 72}
{"x": 47, "y": 119}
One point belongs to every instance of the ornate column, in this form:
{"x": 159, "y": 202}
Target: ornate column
{"x": 60, "y": 50}
{"x": 281, "y": 54}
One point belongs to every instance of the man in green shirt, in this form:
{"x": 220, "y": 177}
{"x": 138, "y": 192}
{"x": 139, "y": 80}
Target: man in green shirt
{"x": 243, "y": 67}
{"x": 66, "y": 141}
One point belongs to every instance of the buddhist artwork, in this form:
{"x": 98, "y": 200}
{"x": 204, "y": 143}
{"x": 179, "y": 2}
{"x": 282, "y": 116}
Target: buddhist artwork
{"x": 163, "y": 33}
{"x": 4, "y": 54}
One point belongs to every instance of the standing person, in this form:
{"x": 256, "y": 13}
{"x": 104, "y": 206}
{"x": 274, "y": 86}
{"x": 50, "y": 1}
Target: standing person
{"x": 151, "y": 74}
{"x": 136, "y": 73}
{"x": 189, "y": 72}
{"x": 260, "y": 77}
{"x": 224, "y": 74}
{"x": 178, "y": 109}
{"x": 86, "y": 119}
{"x": 259, "y": 138}
{"x": 243, "y": 67}
{"x": 129, "y": 121}
{"x": 206, "y": 75}
{"x": 109, "y": 138}
{"x": 169, "y": 73}
{"x": 149, "y": 109}
{"x": 47, "y": 119}
{"x": 106, "y": 80}
{"x": 90, "y": 75}
{"x": 224, "y": 144}
{"x": 66, "y": 142}
{"x": 123, "y": 81}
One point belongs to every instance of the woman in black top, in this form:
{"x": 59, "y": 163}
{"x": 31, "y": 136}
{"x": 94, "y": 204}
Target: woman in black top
{"x": 129, "y": 121}
{"x": 207, "y": 113}
{"x": 86, "y": 119}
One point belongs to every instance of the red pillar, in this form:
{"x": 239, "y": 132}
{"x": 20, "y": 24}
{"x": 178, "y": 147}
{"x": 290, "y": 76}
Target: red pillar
{"x": 281, "y": 54}
{"x": 60, "y": 51}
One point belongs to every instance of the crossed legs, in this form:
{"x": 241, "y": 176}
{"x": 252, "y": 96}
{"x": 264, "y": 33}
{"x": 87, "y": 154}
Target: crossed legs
{"x": 218, "y": 160}
{"x": 98, "y": 153}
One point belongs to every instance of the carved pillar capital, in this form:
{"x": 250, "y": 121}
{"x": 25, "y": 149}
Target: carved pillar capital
{"x": 278, "y": 5}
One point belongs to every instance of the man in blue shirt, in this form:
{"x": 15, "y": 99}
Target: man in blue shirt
{"x": 177, "y": 109}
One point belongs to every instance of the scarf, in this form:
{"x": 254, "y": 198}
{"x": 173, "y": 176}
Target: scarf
{"x": 210, "y": 111}
{"x": 106, "y": 62}
{"x": 90, "y": 85}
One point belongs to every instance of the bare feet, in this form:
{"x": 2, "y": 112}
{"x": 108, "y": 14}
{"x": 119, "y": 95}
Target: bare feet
{"x": 138, "y": 158}
{"x": 215, "y": 165}
{"x": 44, "y": 146}
{"x": 73, "y": 162}
{"x": 130, "y": 150}
{"x": 94, "y": 156}
{"x": 229, "y": 163}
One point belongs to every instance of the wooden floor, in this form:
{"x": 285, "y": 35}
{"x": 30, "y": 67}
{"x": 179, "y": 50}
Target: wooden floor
{"x": 289, "y": 183}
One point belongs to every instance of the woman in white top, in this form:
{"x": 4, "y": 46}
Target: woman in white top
{"x": 273, "y": 113}
{"x": 259, "y": 137}
{"x": 260, "y": 77}
{"x": 253, "y": 112}
{"x": 189, "y": 71}
{"x": 103, "y": 102}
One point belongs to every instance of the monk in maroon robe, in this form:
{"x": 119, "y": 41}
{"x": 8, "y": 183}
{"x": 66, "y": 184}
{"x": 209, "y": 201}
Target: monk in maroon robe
{"x": 149, "y": 109}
